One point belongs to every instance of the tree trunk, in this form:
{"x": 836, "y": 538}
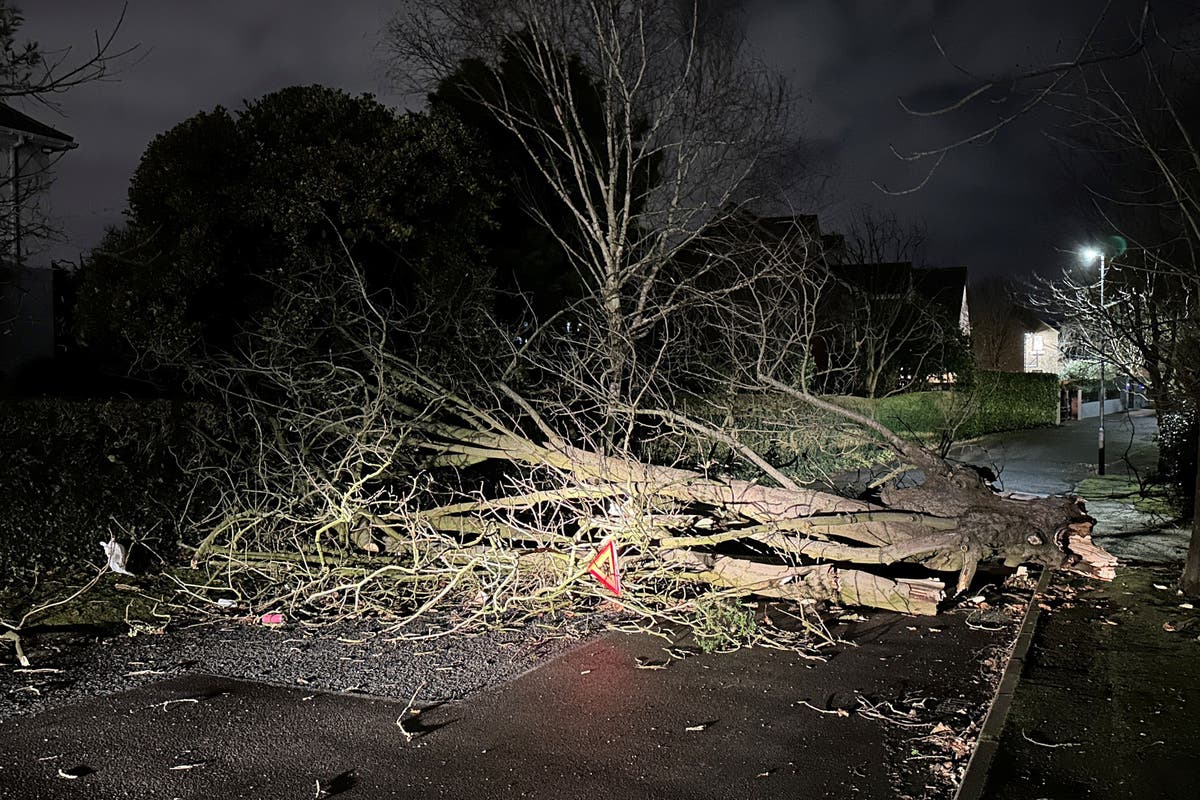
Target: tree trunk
{"x": 790, "y": 543}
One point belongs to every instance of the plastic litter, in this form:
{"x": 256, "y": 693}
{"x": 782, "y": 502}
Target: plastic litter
{"x": 225, "y": 602}
{"x": 272, "y": 619}
{"x": 115, "y": 554}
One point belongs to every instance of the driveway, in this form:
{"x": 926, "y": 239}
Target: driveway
{"x": 617, "y": 717}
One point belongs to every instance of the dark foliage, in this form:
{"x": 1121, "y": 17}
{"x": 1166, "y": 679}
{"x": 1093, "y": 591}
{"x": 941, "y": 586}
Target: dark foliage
{"x": 75, "y": 473}
{"x": 230, "y": 213}
{"x": 1177, "y": 432}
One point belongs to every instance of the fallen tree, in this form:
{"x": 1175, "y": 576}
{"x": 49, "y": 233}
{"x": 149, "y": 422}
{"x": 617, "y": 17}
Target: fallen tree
{"x": 362, "y": 464}
{"x": 524, "y": 542}
{"x": 807, "y": 544}
{"x": 352, "y": 477}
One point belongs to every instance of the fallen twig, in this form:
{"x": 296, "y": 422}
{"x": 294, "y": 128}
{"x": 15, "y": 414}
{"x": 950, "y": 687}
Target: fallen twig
{"x": 408, "y": 709}
{"x": 163, "y": 705}
{"x": 1027, "y": 738}
{"x": 840, "y": 712}
{"x": 886, "y": 712}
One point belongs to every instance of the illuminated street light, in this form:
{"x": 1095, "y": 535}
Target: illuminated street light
{"x": 1090, "y": 254}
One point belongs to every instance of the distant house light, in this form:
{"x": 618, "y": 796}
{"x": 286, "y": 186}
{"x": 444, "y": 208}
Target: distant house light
{"x": 1035, "y": 348}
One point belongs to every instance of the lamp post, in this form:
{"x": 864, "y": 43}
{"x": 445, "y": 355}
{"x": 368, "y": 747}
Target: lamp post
{"x": 1091, "y": 254}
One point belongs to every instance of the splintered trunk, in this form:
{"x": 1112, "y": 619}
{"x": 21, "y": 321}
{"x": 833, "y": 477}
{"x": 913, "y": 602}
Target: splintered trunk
{"x": 672, "y": 523}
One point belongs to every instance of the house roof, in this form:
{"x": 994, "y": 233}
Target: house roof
{"x": 20, "y": 122}
{"x": 742, "y": 226}
{"x": 886, "y": 276}
{"x": 1032, "y": 320}
{"x": 941, "y": 284}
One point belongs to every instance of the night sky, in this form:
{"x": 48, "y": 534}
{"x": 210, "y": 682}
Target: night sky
{"x": 1004, "y": 207}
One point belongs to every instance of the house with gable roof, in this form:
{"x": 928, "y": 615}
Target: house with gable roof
{"x": 28, "y": 150}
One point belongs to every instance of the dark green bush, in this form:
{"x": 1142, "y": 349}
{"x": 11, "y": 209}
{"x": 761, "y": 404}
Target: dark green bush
{"x": 75, "y": 472}
{"x": 1010, "y": 401}
{"x": 1177, "y": 433}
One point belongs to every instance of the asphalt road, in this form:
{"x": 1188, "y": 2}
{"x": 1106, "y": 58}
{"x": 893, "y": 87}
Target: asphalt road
{"x": 613, "y": 718}
{"x": 1047, "y": 461}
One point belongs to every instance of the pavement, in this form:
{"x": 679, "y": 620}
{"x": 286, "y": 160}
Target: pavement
{"x": 885, "y": 716}
{"x": 1108, "y": 705}
{"x": 1108, "y": 702}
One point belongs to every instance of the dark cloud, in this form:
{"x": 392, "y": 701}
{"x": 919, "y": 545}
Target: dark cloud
{"x": 191, "y": 57}
{"x": 996, "y": 206}
{"x": 1000, "y": 206}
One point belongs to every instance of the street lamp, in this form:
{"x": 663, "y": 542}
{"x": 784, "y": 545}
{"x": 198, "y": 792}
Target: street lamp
{"x": 1090, "y": 254}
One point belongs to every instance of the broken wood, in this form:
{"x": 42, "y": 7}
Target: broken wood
{"x": 786, "y": 542}
{"x": 817, "y": 582}
{"x": 530, "y": 537}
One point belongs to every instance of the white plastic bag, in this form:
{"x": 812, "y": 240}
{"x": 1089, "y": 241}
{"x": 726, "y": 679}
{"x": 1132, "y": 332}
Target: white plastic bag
{"x": 115, "y": 554}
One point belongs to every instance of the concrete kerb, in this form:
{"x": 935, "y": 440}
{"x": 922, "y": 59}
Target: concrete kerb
{"x": 980, "y": 762}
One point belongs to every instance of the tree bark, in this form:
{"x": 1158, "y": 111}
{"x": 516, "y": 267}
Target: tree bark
{"x": 792, "y": 543}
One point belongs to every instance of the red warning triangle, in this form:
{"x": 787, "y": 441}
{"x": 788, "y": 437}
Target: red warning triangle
{"x": 604, "y": 568}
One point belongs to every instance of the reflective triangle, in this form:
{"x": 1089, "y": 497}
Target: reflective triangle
{"x": 604, "y": 568}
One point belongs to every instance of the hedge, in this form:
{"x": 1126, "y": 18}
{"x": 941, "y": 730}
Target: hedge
{"x": 813, "y": 445}
{"x": 1177, "y": 435}
{"x": 997, "y": 401}
{"x": 74, "y": 472}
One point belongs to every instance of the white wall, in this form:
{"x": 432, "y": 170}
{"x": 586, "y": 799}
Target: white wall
{"x": 1092, "y": 409}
